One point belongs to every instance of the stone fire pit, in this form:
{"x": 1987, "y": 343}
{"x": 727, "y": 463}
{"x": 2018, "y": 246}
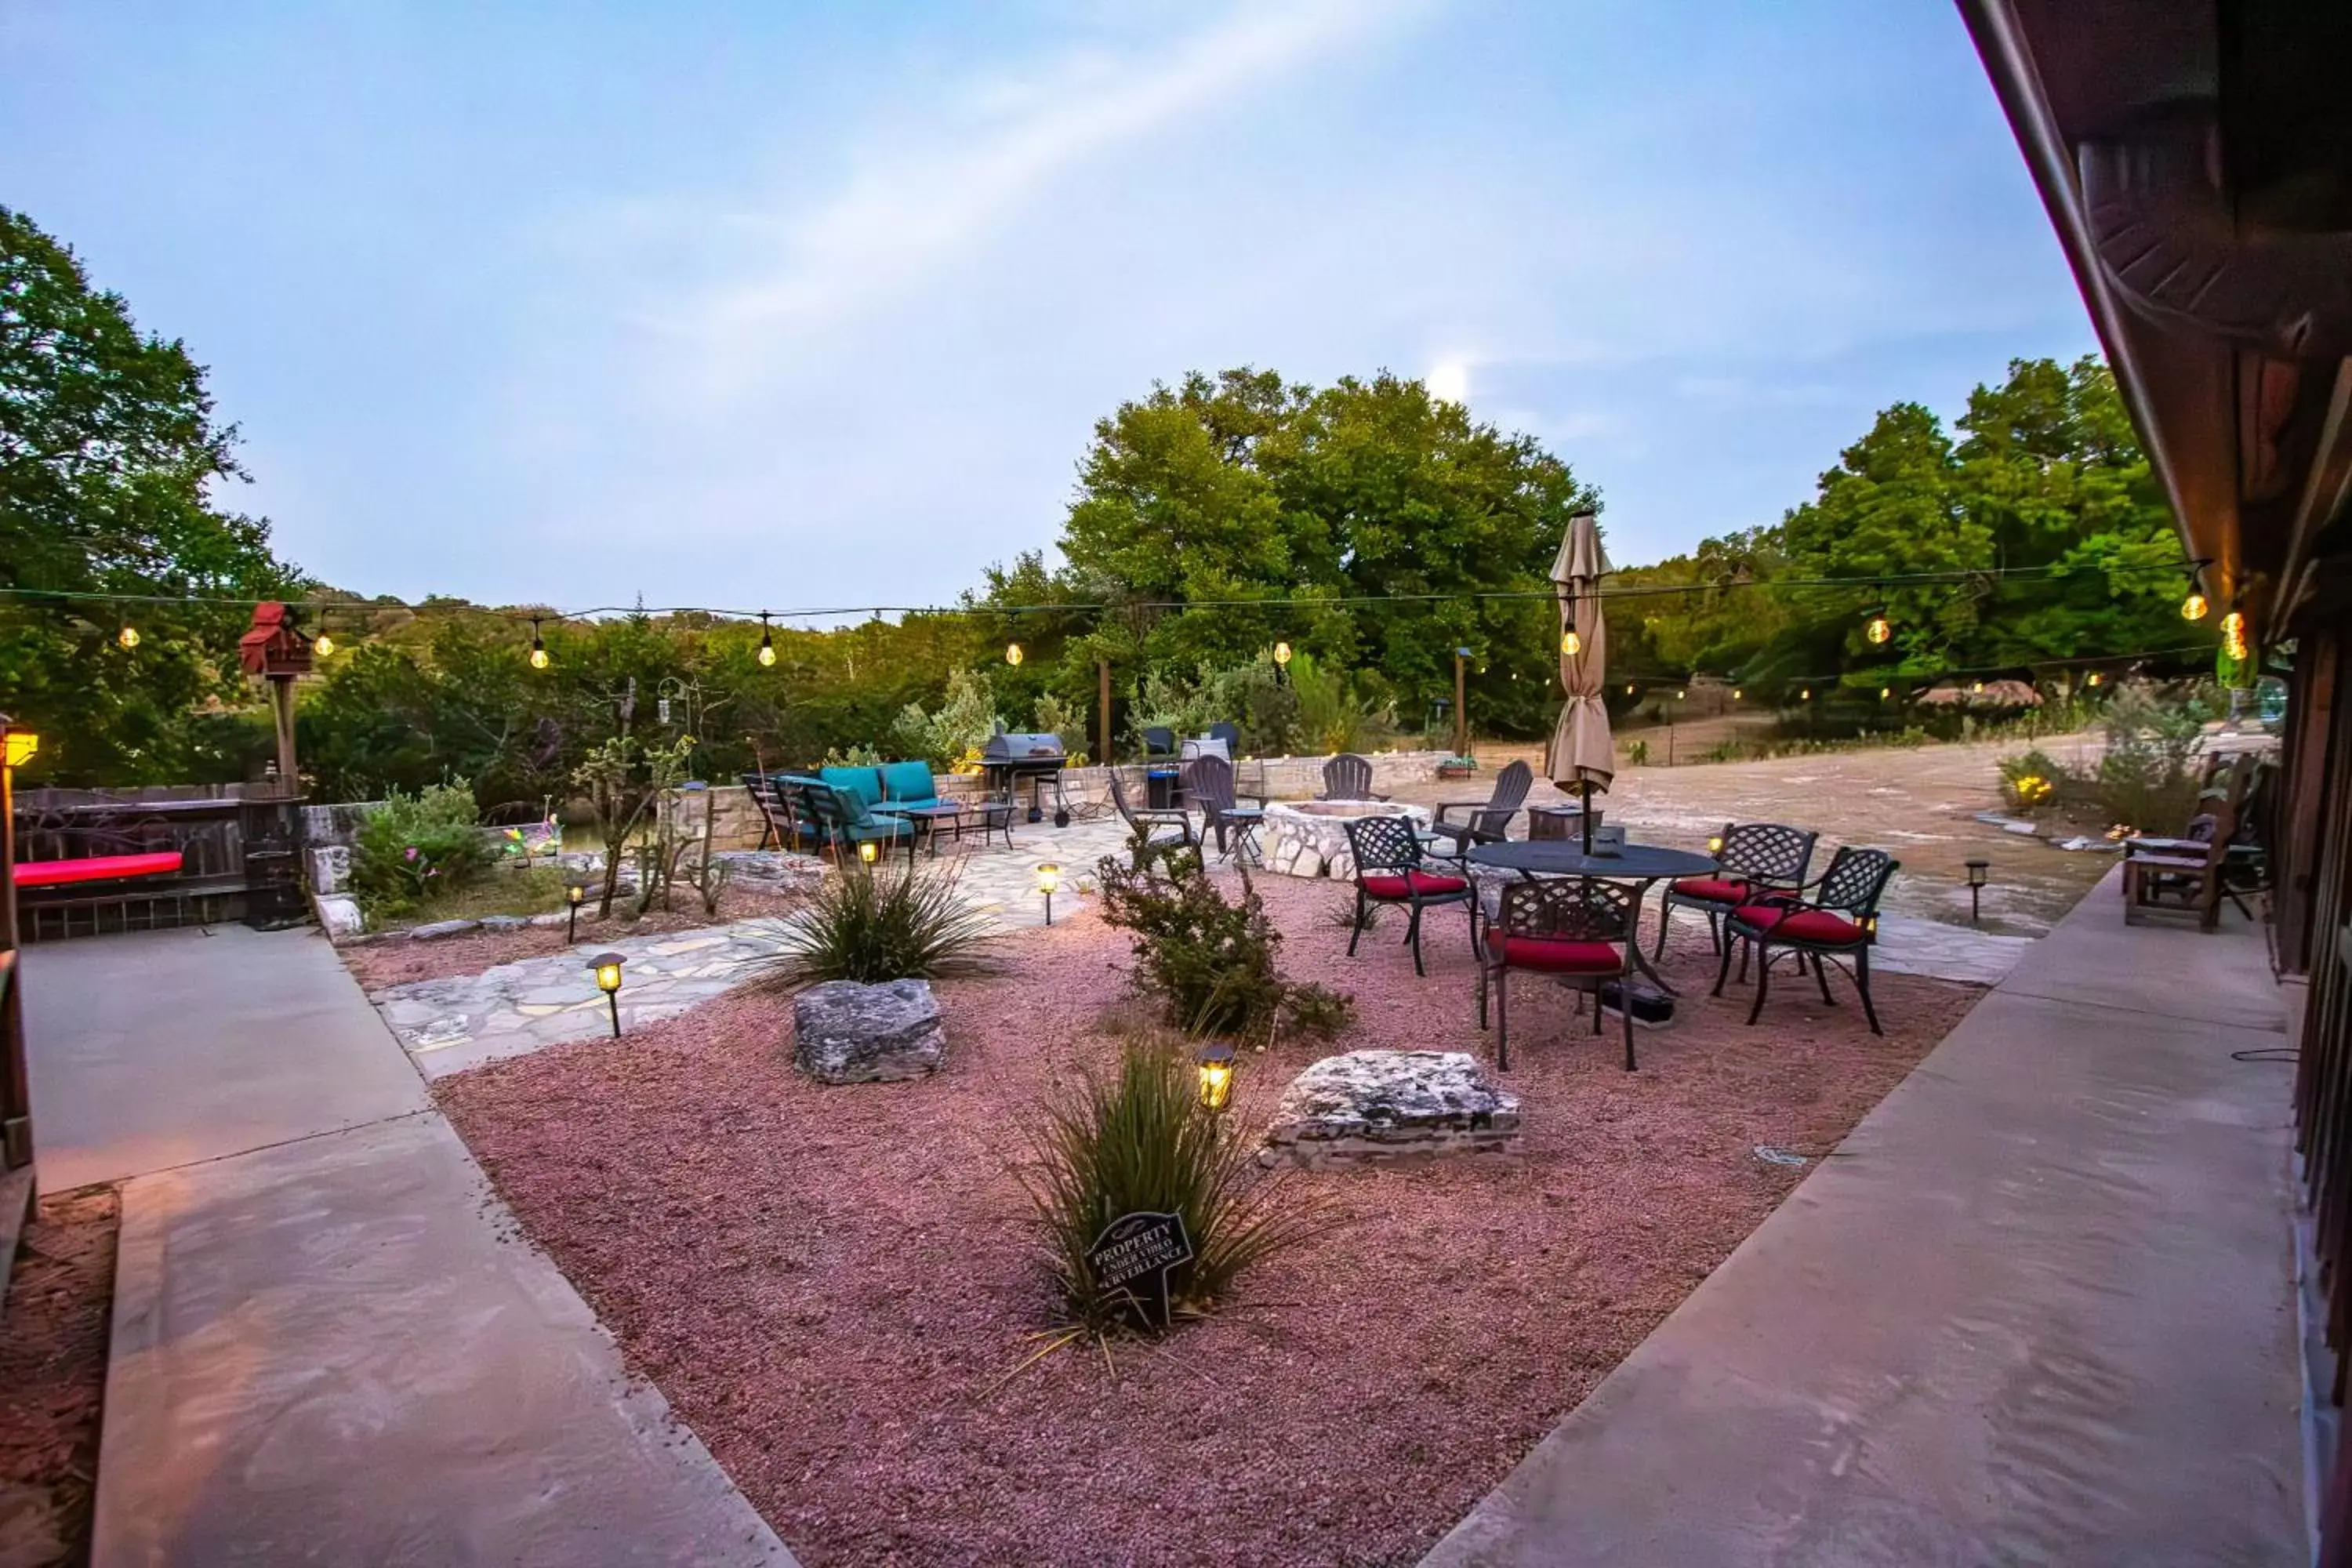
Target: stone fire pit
{"x": 1387, "y": 1105}
{"x": 1309, "y": 838}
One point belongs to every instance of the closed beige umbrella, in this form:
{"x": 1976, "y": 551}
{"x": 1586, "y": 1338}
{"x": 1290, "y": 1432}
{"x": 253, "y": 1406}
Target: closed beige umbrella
{"x": 1581, "y": 755}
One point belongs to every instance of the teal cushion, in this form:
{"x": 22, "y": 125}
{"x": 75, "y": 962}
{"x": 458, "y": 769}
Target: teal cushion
{"x": 863, "y": 785}
{"x": 909, "y": 783}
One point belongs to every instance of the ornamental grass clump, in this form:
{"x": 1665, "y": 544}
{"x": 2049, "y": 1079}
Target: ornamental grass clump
{"x": 870, "y": 924}
{"x": 1208, "y": 964}
{"x": 1139, "y": 1141}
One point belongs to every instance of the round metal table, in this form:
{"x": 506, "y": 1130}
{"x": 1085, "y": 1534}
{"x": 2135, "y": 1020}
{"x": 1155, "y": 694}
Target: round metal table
{"x": 1640, "y": 863}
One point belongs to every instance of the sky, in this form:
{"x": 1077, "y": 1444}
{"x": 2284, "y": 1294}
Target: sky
{"x": 783, "y": 306}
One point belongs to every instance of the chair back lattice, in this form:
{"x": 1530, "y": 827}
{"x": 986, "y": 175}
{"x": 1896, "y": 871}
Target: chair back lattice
{"x": 1231, "y": 734}
{"x": 1159, "y": 742}
{"x": 1856, "y": 879}
{"x": 1119, "y": 799}
{"x": 1511, "y": 787}
{"x": 1348, "y": 777}
{"x": 1768, "y": 852}
{"x": 1209, "y": 781}
{"x": 1383, "y": 844}
{"x": 1567, "y": 909}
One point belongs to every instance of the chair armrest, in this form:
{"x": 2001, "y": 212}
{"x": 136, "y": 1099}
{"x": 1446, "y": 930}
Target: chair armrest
{"x": 1445, "y": 807}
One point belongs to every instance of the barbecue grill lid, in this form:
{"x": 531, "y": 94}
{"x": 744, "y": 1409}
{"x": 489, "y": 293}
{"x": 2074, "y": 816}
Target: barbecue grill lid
{"x": 1016, "y": 747}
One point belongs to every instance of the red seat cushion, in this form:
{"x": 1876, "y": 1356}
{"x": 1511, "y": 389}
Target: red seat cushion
{"x": 1426, "y": 884}
{"x": 1555, "y": 953}
{"x": 96, "y": 869}
{"x": 1713, "y": 889}
{"x": 1804, "y": 925}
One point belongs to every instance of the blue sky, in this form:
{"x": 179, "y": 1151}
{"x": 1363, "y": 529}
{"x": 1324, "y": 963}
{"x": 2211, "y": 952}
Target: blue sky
{"x": 769, "y": 305}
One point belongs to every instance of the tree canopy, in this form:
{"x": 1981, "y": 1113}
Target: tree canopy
{"x": 108, "y": 453}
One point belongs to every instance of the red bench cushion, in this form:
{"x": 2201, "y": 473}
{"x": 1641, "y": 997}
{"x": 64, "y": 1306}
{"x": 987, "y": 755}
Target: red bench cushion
{"x": 1555, "y": 953}
{"x": 96, "y": 869}
{"x": 1713, "y": 889}
{"x": 1426, "y": 884}
{"x": 1803, "y": 925}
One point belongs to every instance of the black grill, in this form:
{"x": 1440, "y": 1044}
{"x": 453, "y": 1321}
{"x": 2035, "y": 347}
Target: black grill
{"x": 1008, "y": 759}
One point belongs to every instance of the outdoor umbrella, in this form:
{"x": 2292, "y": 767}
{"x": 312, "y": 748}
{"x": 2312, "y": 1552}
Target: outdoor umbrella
{"x": 1582, "y": 753}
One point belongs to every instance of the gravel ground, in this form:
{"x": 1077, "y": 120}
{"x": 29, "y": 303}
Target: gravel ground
{"x": 53, "y": 1336}
{"x": 833, "y": 1286}
{"x": 377, "y": 965}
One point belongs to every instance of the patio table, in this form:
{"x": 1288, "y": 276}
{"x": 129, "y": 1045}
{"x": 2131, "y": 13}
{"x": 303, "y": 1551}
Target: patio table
{"x": 1640, "y": 863}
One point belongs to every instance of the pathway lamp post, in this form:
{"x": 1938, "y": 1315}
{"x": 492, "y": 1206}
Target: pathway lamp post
{"x": 1049, "y": 877}
{"x": 1216, "y": 1065}
{"x": 1977, "y": 869}
{"x": 606, "y": 967}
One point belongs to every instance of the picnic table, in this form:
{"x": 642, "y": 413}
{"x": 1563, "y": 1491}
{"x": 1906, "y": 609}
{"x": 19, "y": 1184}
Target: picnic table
{"x": 1642, "y": 865}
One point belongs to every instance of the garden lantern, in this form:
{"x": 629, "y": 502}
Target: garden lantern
{"x": 1977, "y": 869}
{"x": 575, "y": 891}
{"x": 869, "y": 851}
{"x": 1013, "y": 654}
{"x": 22, "y": 745}
{"x": 606, "y": 966}
{"x": 1049, "y": 877}
{"x": 1216, "y": 1063}
{"x": 128, "y": 636}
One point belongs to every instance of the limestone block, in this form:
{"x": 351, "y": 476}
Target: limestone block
{"x": 844, "y": 1032}
{"x": 1387, "y": 1105}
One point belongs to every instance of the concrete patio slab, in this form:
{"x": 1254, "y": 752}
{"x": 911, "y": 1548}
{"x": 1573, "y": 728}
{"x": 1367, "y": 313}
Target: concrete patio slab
{"x": 2037, "y": 1308}
{"x": 130, "y": 1076}
{"x": 338, "y": 1352}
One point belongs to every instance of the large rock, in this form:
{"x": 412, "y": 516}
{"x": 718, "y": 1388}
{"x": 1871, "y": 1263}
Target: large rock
{"x": 339, "y": 916}
{"x": 844, "y": 1032}
{"x": 1386, "y": 1105}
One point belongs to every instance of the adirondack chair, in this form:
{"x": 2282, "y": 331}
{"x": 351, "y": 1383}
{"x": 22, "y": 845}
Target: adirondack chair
{"x": 1348, "y": 777}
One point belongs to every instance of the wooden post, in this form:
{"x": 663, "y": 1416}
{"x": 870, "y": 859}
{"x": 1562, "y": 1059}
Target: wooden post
{"x": 281, "y": 697}
{"x": 1102, "y": 699}
{"x": 1461, "y": 710}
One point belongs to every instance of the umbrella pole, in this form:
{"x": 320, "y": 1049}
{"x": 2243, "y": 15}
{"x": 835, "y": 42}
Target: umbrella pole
{"x": 1585, "y": 784}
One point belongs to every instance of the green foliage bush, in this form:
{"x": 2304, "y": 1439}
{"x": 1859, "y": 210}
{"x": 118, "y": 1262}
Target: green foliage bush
{"x": 418, "y": 848}
{"x": 1139, "y": 1141}
{"x": 1210, "y": 963}
{"x": 2148, "y": 777}
{"x": 966, "y": 718}
{"x": 871, "y": 924}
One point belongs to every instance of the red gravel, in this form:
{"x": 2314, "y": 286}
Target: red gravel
{"x": 832, "y": 1285}
{"x": 377, "y": 965}
{"x": 53, "y": 1334}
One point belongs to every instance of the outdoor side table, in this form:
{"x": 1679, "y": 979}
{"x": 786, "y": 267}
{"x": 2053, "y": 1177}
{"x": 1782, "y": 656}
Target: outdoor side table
{"x": 929, "y": 819}
{"x": 995, "y": 816}
{"x": 1638, "y": 864}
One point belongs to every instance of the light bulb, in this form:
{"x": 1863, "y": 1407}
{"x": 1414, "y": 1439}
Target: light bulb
{"x": 2233, "y": 635}
{"x": 1884, "y": 692}
{"x": 1571, "y": 643}
{"x": 2095, "y": 679}
{"x": 2195, "y": 607}
{"x": 322, "y": 644}
{"x": 1806, "y": 695}
{"x": 767, "y": 651}
{"x": 128, "y": 636}
{"x": 1736, "y": 694}
{"x": 1282, "y": 653}
{"x": 1879, "y": 629}
{"x": 1013, "y": 653}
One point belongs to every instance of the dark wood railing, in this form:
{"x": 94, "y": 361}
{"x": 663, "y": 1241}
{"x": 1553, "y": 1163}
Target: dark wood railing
{"x": 239, "y": 847}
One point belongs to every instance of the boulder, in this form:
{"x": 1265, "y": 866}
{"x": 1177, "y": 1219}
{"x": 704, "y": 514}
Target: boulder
{"x": 330, "y": 867}
{"x": 339, "y": 916}
{"x": 439, "y": 929}
{"x": 844, "y": 1032}
{"x": 1387, "y": 1105}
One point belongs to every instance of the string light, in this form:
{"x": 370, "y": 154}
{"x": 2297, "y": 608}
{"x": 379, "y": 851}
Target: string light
{"x": 128, "y": 636}
{"x": 2195, "y": 607}
{"x": 767, "y": 641}
{"x": 1884, "y": 692}
{"x": 2233, "y": 635}
{"x": 1736, "y": 694}
{"x": 1571, "y": 643}
{"x": 1806, "y": 695}
{"x": 1880, "y": 628}
{"x": 538, "y": 647}
{"x": 322, "y": 644}
{"x": 1013, "y": 654}
{"x": 1282, "y": 653}
{"x": 2095, "y": 679}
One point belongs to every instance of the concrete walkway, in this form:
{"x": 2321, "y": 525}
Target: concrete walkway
{"x": 330, "y": 1343}
{"x": 2037, "y": 1309}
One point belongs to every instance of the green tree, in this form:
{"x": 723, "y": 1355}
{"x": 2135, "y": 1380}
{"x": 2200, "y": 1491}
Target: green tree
{"x": 108, "y": 445}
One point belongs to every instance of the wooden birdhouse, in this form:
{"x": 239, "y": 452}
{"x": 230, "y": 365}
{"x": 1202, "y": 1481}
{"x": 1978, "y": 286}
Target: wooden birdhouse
{"x": 273, "y": 646}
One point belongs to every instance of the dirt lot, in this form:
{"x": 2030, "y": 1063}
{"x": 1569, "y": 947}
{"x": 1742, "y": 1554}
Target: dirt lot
{"x": 1917, "y": 803}
{"x": 53, "y": 1336}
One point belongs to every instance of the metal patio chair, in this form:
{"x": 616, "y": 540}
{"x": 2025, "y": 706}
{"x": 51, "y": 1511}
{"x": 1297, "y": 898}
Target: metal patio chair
{"x": 1840, "y": 921}
{"x": 1578, "y": 930}
{"x": 1756, "y": 857}
{"x": 1389, "y": 871}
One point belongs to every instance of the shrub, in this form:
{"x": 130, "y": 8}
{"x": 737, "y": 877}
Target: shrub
{"x": 1139, "y": 1141}
{"x": 1210, "y": 963}
{"x": 2031, "y": 779}
{"x": 966, "y": 719}
{"x": 417, "y": 846}
{"x": 871, "y": 925}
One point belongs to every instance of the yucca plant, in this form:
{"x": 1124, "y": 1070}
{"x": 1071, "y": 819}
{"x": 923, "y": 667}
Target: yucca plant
{"x": 1139, "y": 1141}
{"x": 870, "y": 924}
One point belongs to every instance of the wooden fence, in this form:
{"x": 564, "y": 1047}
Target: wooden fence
{"x": 240, "y": 846}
